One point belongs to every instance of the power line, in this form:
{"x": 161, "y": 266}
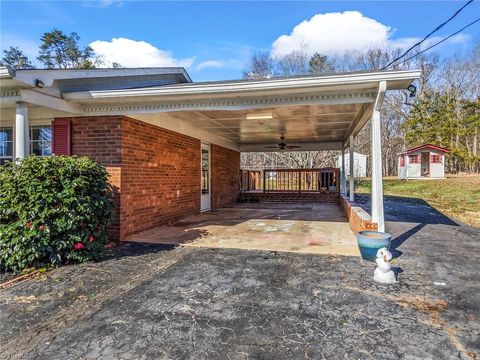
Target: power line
{"x": 439, "y": 42}
{"x": 430, "y": 34}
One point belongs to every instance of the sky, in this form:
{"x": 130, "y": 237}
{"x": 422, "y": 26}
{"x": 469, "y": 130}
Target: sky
{"x": 213, "y": 40}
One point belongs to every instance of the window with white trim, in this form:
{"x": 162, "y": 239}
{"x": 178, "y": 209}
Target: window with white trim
{"x": 40, "y": 142}
{"x": 6, "y": 144}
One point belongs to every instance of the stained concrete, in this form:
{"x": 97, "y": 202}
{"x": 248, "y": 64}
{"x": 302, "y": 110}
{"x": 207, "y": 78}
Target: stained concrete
{"x": 300, "y": 228}
{"x": 150, "y": 301}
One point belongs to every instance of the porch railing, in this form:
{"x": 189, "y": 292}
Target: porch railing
{"x": 291, "y": 180}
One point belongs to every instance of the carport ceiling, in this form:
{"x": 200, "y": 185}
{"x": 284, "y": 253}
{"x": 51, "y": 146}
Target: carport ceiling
{"x": 300, "y": 125}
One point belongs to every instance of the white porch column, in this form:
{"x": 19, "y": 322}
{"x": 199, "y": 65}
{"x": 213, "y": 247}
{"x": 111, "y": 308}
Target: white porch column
{"x": 22, "y": 131}
{"x": 343, "y": 177}
{"x": 377, "y": 176}
{"x": 352, "y": 174}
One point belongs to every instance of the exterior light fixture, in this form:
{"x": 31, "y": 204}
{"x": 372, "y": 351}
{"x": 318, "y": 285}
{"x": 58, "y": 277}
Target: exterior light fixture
{"x": 39, "y": 83}
{"x": 259, "y": 116}
{"x": 412, "y": 89}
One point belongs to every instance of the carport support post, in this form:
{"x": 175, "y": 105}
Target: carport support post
{"x": 343, "y": 177}
{"x": 377, "y": 181}
{"x": 352, "y": 175}
{"x": 22, "y": 131}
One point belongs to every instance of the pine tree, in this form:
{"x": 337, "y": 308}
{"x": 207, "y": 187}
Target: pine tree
{"x": 61, "y": 51}
{"x": 14, "y": 58}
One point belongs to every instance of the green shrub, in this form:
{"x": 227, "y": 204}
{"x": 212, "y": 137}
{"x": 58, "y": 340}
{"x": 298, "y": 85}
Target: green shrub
{"x": 53, "y": 210}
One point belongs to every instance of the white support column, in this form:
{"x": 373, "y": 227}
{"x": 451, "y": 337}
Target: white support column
{"x": 22, "y": 131}
{"x": 377, "y": 176}
{"x": 351, "y": 161}
{"x": 343, "y": 177}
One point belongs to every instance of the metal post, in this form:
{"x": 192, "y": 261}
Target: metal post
{"x": 377, "y": 181}
{"x": 352, "y": 174}
{"x": 343, "y": 177}
{"x": 377, "y": 177}
{"x": 264, "y": 181}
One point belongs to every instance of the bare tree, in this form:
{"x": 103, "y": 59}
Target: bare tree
{"x": 261, "y": 65}
{"x": 458, "y": 77}
{"x": 295, "y": 63}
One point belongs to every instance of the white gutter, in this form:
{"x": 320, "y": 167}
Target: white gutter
{"x": 351, "y": 81}
{"x": 5, "y": 73}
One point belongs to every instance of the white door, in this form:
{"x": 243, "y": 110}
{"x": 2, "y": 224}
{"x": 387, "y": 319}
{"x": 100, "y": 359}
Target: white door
{"x": 205, "y": 200}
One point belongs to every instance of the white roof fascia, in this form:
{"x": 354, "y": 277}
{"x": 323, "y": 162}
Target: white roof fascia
{"x": 5, "y": 73}
{"x": 51, "y": 75}
{"x": 344, "y": 82}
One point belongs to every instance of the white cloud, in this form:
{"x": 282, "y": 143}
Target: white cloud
{"x": 132, "y": 53}
{"x": 210, "y": 64}
{"x": 332, "y": 33}
{"x": 337, "y": 33}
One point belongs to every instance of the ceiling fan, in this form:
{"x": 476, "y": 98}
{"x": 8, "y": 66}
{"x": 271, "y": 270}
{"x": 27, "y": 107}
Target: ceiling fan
{"x": 283, "y": 145}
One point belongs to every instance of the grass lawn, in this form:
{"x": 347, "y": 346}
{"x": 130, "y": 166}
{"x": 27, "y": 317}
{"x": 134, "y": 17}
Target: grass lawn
{"x": 456, "y": 196}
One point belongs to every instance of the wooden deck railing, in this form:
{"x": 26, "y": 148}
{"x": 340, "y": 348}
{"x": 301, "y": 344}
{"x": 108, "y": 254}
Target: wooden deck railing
{"x": 291, "y": 180}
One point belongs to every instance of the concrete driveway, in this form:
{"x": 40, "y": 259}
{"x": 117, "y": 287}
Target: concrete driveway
{"x": 157, "y": 302}
{"x": 314, "y": 228}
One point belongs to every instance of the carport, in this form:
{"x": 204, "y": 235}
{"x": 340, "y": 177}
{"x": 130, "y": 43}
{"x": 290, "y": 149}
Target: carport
{"x": 164, "y": 172}
{"x": 310, "y": 112}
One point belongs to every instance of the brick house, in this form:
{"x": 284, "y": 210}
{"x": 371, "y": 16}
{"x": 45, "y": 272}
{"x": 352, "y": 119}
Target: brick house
{"x": 172, "y": 146}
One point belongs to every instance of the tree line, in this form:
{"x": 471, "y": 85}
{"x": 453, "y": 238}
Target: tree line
{"x": 444, "y": 112}
{"x": 56, "y": 51}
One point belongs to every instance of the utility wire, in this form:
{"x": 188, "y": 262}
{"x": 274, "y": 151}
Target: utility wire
{"x": 439, "y": 42}
{"x": 430, "y": 34}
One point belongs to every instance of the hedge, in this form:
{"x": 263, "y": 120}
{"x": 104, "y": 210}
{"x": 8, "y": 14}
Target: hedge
{"x": 53, "y": 210}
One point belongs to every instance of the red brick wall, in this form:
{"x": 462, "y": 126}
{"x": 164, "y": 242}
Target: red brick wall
{"x": 155, "y": 172}
{"x": 160, "y": 176}
{"x": 225, "y": 176}
{"x": 358, "y": 218}
{"x": 99, "y": 139}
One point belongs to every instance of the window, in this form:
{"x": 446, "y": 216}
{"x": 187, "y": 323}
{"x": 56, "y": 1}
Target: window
{"x": 41, "y": 140}
{"x": 402, "y": 160}
{"x": 414, "y": 159}
{"x": 436, "y": 159}
{"x": 6, "y": 144}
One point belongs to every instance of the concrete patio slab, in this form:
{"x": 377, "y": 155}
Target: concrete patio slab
{"x": 301, "y": 228}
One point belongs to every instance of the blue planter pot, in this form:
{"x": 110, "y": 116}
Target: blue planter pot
{"x": 370, "y": 241}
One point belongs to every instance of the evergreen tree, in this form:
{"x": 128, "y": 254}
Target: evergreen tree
{"x": 440, "y": 119}
{"x": 319, "y": 65}
{"x": 14, "y": 58}
{"x": 62, "y": 51}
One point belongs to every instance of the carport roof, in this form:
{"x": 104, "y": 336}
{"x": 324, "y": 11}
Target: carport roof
{"x": 313, "y": 112}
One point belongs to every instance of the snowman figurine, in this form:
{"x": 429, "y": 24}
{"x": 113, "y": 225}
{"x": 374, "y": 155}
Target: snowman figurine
{"x": 383, "y": 273}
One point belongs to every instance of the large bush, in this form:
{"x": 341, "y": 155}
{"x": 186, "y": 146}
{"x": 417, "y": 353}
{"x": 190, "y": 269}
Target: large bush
{"x": 53, "y": 210}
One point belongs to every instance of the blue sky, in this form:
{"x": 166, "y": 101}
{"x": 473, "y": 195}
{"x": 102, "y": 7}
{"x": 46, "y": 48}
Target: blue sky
{"x": 213, "y": 40}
